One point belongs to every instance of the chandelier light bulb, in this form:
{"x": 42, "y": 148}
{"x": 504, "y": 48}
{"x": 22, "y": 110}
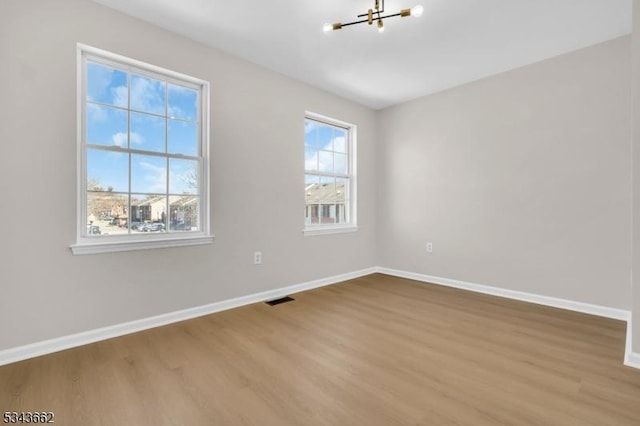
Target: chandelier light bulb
{"x": 327, "y": 27}
{"x": 417, "y": 11}
{"x": 380, "y": 26}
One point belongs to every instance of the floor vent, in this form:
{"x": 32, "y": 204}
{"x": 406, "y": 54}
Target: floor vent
{"x": 279, "y": 301}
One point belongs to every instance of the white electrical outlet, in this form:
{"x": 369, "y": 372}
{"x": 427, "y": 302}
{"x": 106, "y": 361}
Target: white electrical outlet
{"x": 257, "y": 258}
{"x": 429, "y": 247}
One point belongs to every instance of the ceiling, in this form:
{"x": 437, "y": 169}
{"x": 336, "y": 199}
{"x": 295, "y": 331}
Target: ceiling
{"x": 454, "y": 42}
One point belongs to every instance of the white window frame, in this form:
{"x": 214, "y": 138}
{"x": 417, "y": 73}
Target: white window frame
{"x": 139, "y": 241}
{"x": 351, "y": 215}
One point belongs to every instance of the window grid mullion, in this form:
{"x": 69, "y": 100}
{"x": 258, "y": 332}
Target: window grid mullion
{"x": 115, "y": 148}
{"x": 327, "y": 174}
{"x": 129, "y": 149}
{"x": 102, "y": 104}
{"x": 166, "y": 150}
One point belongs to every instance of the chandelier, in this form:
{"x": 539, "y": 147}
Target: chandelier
{"x": 375, "y": 14}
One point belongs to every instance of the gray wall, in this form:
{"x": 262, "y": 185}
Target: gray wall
{"x": 257, "y": 180}
{"x": 521, "y": 180}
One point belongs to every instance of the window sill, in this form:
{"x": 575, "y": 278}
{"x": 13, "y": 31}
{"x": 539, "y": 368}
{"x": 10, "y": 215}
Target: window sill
{"x": 96, "y": 247}
{"x": 320, "y": 230}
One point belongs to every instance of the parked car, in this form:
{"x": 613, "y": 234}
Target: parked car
{"x": 117, "y": 221}
{"x": 152, "y": 227}
{"x": 179, "y": 226}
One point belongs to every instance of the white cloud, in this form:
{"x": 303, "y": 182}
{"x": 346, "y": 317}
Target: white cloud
{"x": 136, "y": 139}
{"x": 120, "y": 96}
{"x": 326, "y": 161}
{"x": 176, "y": 111}
{"x": 152, "y": 167}
{"x": 120, "y": 139}
{"x": 318, "y": 160}
{"x": 311, "y": 161}
{"x": 147, "y": 95}
{"x": 339, "y": 144}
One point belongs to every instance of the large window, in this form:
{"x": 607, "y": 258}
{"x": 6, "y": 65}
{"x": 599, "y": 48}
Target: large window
{"x": 143, "y": 155}
{"x": 329, "y": 175}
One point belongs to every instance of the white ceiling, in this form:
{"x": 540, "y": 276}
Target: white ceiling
{"x": 454, "y": 42}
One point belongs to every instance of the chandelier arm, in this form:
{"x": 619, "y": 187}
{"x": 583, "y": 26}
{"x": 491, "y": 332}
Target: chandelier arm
{"x": 391, "y": 16}
{"x": 355, "y": 22}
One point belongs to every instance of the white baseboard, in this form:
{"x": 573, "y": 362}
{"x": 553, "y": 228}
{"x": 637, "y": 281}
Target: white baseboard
{"x": 631, "y": 359}
{"x": 586, "y": 308}
{"x": 45, "y": 347}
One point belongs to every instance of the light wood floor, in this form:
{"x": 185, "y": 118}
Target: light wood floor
{"x": 376, "y": 350}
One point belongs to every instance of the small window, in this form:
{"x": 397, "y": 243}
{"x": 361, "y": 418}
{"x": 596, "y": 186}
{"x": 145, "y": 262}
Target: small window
{"x": 330, "y": 189}
{"x": 143, "y": 155}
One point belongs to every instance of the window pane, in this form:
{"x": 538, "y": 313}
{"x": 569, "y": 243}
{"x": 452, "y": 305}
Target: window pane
{"x": 183, "y": 138}
{"x": 107, "y": 171}
{"x": 147, "y": 95}
{"x": 342, "y": 190}
{"x": 340, "y": 141}
{"x": 147, "y": 132}
{"x": 340, "y": 163}
{"x": 106, "y": 126}
{"x": 311, "y": 214}
{"x": 148, "y": 174}
{"x": 327, "y": 189}
{"x": 139, "y": 213}
{"x": 183, "y": 176}
{"x": 328, "y": 213}
{"x": 104, "y": 210}
{"x": 310, "y": 159}
{"x": 325, "y": 160}
{"x": 148, "y": 213}
{"x": 325, "y": 135}
{"x": 340, "y": 213}
{"x": 183, "y": 103}
{"x": 106, "y": 85}
{"x": 312, "y": 188}
{"x": 184, "y": 213}
{"x": 311, "y": 133}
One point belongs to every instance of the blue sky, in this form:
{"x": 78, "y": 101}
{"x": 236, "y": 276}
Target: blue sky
{"x": 325, "y": 151}
{"x": 157, "y": 109}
